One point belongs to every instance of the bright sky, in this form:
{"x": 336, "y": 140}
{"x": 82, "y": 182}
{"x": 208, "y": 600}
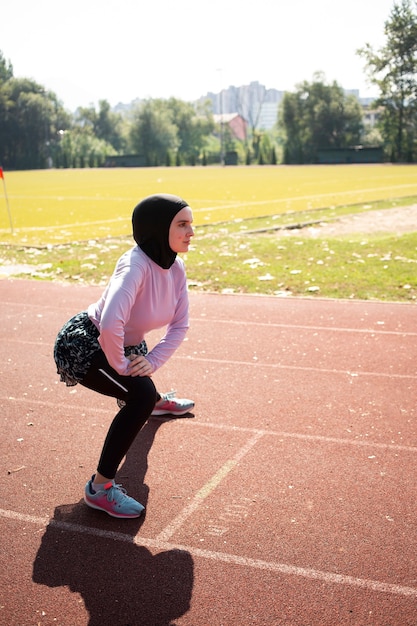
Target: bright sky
{"x": 89, "y": 50}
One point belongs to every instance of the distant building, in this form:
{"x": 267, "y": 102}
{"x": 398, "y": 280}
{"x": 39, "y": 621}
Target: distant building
{"x": 370, "y": 112}
{"x": 254, "y": 102}
{"x": 238, "y": 126}
{"x": 371, "y": 115}
{"x": 268, "y": 115}
{"x": 259, "y": 105}
{"x": 352, "y": 92}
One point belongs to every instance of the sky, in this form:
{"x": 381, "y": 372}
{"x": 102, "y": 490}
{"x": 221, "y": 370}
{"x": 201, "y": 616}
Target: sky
{"x": 119, "y": 50}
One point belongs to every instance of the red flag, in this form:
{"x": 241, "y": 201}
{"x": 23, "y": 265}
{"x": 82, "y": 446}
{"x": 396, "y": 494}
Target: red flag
{"x": 1, "y": 172}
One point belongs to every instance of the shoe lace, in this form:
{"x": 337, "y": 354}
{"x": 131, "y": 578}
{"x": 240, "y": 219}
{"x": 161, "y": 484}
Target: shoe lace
{"x": 116, "y": 493}
{"x": 169, "y": 395}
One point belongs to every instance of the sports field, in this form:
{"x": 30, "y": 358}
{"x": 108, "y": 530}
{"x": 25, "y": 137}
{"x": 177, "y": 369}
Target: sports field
{"x": 59, "y": 206}
{"x": 252, "y": 224}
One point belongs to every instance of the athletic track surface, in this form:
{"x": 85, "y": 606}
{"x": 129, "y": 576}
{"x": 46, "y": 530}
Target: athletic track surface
{"x": 288, "y": 498}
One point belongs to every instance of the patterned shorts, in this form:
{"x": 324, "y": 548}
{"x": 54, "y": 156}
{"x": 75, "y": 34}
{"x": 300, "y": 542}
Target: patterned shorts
{"x": 75, "y": 346}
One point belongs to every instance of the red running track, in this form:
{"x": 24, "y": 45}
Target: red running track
{"x": 288, "y": 499}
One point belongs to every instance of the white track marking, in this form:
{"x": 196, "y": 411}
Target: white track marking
{"x": 6, "y": 304}
{"x": 272, "y": 433}
{"x": 326, "y": 329}
{"x": 280, "y": 366}
{"x": 258, "y": 364}
{"x": 207, "y": 489}
{"x": 339, "y": 441}
{"x": 220, "y": 557}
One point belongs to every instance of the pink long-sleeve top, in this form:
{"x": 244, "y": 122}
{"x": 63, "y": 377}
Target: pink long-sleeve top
{"x": 141, "y": 296}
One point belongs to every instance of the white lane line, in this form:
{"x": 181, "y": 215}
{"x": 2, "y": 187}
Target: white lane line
{"x": 242, "y": 429}
{"x": 217, "y": 321}
{"x": 208, "y": 320}
{"x": 221, "y": 557}
{"x": 259, "y": 364}
{"x": 280, "y": 366}
{"x": 207, "y": 489}
{"x": 326, "y": 329}
{"x": 340, "y": 441}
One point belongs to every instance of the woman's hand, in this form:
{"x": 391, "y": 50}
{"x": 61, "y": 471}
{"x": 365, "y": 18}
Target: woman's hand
{"x": 139, "y": 366}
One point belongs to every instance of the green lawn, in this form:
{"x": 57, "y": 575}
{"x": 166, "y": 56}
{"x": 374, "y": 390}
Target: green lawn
{"x": 55, "y": 206}
{"x": 73, "y": 224}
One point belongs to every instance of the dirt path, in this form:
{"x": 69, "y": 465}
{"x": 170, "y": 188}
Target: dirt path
{"x": 398, "y": 220}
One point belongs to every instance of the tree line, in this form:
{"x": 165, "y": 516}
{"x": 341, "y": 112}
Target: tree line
{"x": 37, "y": 132}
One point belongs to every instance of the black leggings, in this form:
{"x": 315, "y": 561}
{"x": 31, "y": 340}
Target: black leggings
{"x": 140, "y": 396}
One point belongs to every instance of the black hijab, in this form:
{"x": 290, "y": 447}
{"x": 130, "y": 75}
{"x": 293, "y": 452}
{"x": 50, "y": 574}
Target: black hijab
{"x": 151, "y": 220}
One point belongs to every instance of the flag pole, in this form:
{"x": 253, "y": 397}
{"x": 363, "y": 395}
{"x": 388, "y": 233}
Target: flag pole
{"x": 7, "y": 199}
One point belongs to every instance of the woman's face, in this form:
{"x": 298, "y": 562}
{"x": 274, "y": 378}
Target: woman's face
{"x": 181, "y": 231}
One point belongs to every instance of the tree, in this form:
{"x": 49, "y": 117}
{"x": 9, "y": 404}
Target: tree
{"x": 393, "y": 69}
{"x": 6, "y": 69}
{"x": 315, "y": 117}
{"x": 105, "y": 124}
{"x": 193, "y": 125}
{"x": 79, "y": 147}
{"x": 30, "y": 120}
{"x": 153, "y": 133}
{"x": 170, "y": 131}
{"x": 6, "y": 73}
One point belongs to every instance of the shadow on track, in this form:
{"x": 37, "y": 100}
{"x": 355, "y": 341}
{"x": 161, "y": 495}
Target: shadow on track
{"x": 121, "y": 583}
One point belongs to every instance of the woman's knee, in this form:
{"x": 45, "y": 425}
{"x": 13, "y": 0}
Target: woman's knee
{"x": 142, "y": 390}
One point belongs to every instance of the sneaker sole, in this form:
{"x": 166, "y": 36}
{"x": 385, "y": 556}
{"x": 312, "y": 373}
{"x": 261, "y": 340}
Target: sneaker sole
{"x": 159, "y": 412}
{"x": 119, "y": 516}
{"x": 162, "y": 413}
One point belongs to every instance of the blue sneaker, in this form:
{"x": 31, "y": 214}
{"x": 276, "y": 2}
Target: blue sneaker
{"x": 112, "y": 499}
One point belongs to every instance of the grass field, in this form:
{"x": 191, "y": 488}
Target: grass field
{"x": 72, "y": 225}
{"x": 51, "y": 206}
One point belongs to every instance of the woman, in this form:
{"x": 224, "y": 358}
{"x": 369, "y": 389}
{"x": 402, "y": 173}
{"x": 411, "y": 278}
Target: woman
{"x": 104, "y": 348}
